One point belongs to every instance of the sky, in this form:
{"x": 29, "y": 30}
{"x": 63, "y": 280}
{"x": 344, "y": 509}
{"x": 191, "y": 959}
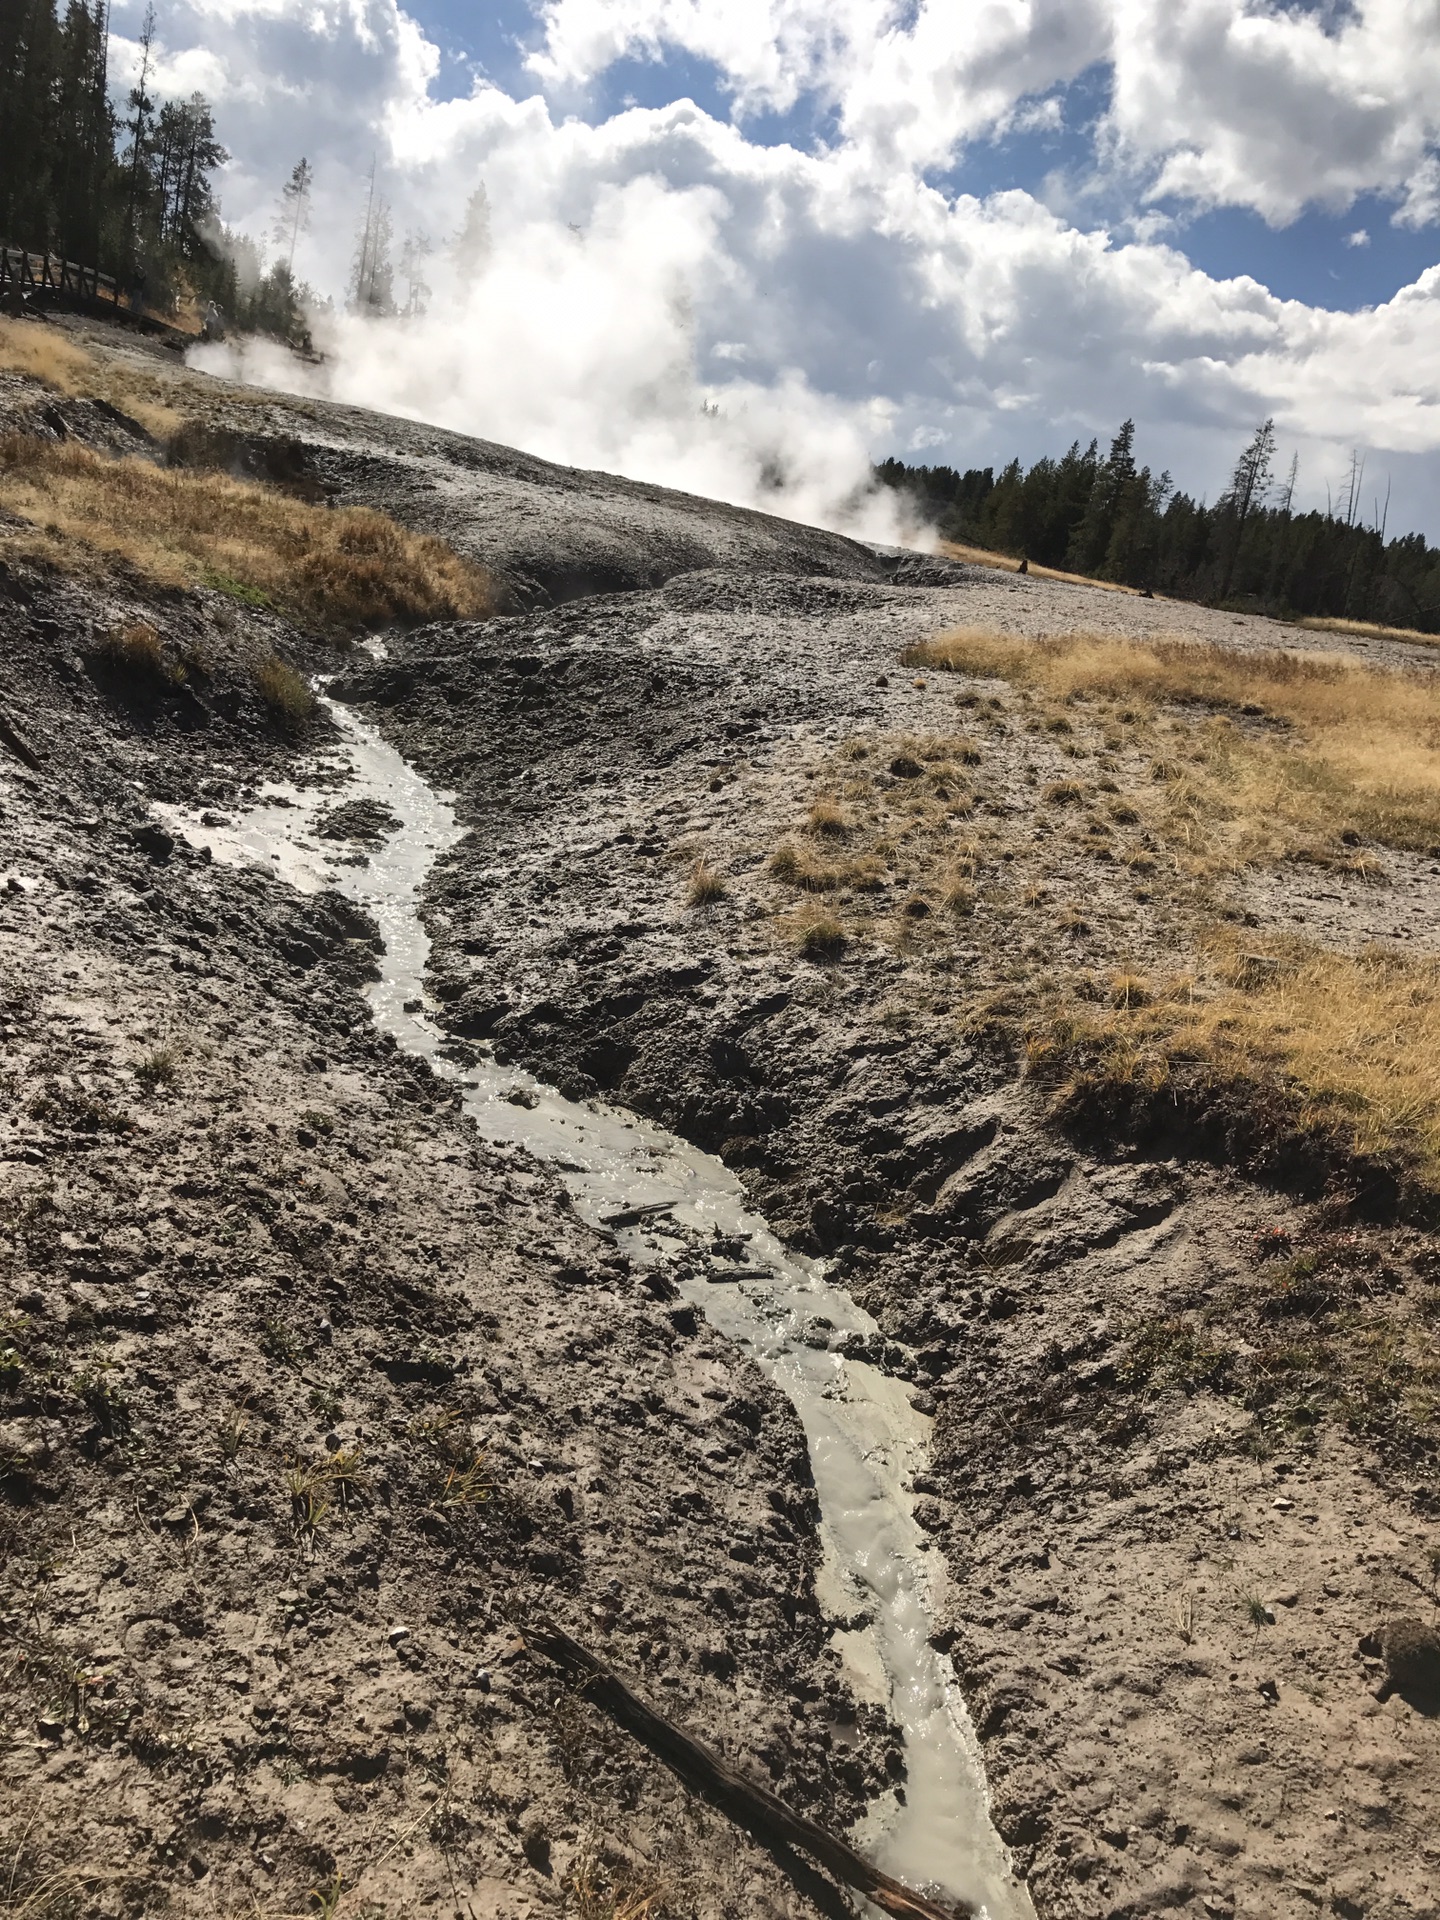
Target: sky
{"x": 746, "y": 246}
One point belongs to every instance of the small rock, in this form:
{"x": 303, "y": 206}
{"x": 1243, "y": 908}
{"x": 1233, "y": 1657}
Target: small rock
{"x": 535, "y": 1845}
{"x": 1288, "y": 1597}
{"x": 152, "y": 840}
{"x": 1411, "y": 1652}
{"x": 398, "y": 1635}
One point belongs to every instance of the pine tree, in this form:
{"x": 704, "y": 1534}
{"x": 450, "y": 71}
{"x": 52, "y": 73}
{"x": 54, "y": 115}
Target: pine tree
{"x": 1091, "y": 539}
{"x": 472, "y": 246}
{"x": 294, "y": 215}
{"x": 1248, "y": 487}
{"x": 141, "y": 107}
{"x": 413, "y": 255}
{"x": 372, "y": 277}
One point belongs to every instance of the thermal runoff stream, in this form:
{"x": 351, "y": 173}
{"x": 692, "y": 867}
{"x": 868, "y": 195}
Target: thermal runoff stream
{"x": 881, "y": 1575}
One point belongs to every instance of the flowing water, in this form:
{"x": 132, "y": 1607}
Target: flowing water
{"x": 881, "y": 1575}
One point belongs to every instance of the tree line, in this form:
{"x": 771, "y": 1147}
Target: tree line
{"x": 129, "y": 186}
{"x": 1110, "y": 519}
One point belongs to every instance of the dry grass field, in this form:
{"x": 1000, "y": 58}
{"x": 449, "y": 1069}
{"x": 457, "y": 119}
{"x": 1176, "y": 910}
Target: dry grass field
{"x": 46, "y": 354}
{"x": 335, "y": 570}
{"x": 1073, "y": 851}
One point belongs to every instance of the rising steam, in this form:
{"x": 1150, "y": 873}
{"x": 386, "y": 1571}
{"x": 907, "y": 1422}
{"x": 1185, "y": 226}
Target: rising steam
{"x": 586, "y": 348}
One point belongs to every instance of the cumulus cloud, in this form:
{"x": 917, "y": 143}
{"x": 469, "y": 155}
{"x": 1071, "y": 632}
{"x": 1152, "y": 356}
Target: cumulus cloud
{"x": 1220, "y": 102}
{"x": 1277, "y": 109}
{"x": 673, "y": 298}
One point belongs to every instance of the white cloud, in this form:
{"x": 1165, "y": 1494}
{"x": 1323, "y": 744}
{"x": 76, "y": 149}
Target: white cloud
{"x": 1359, "y": 238}
{"x": 1221, "y": 102}
{"x": 831, "y": 302}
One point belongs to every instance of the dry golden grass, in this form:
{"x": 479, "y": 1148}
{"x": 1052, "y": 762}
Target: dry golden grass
{"x": 1354, "y": 1040}
{"x": 1191, "y": 764}
{"x": 817, "y": 935}
{"x": 1352, "y": 751}
{"x": 338, "y": 570}
{"x": 803, "y": 868}
{"x": 826, "y": 817}
{"x": 44, "y": 353}
{"x": 286, "y": 693}
{"x": 706, "y": 885}
{"x": 1367, "y": 630}
{"x": 136, "y": 650}
{"x": 1007, "y": 563}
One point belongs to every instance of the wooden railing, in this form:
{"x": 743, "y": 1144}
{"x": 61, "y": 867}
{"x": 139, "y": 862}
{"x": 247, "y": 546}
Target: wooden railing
{"x": 47, "y": 280}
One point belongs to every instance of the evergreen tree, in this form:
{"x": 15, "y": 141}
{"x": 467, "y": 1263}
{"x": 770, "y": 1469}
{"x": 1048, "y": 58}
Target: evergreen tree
{"x": 1248, "y": 487}
{"x": 1242, "y": 550}
{"x": 372, "y": 277}
{"x": 141, "y": 107}
{"x": 472, "y": 245}
{"x": 413, "y": 255}
{"x": 1090, "y": 541}
{"x": 294, "y": 216}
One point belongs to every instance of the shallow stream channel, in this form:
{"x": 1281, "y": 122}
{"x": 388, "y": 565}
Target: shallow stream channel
{"x": 667, "y": 1202}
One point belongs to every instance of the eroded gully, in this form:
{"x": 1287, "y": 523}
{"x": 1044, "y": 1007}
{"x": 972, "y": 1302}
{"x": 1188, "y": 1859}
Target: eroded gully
{"x": 881, "y": 1575}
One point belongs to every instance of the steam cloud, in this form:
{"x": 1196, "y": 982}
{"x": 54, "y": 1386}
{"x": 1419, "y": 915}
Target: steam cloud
{"x": 586, "y": 349}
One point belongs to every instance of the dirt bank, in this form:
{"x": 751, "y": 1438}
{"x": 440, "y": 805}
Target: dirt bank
{"x": 309, "y": 1400}
{"x": 1170, "y": 1547}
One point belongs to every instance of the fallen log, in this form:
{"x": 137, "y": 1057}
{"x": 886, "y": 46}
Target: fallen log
{"x": 633, "y": 1216}
{"x": 752, "y": 1805}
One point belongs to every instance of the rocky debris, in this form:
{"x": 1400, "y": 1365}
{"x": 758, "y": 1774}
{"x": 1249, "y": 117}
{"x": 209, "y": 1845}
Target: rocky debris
{"x": 367, "y": 821}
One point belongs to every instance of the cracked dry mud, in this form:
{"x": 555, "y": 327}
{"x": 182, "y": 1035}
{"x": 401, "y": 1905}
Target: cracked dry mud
{"x": 241, "y": 1230}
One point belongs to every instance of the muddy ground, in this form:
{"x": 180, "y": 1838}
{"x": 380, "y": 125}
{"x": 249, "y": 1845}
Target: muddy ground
{"x": 1168, "y": 1579}
{"x": 310, "y": 1401}
{"x": 1165, "y": 1580}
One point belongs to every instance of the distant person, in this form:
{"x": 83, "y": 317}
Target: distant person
{"x": 212, "y": 322}
{"x": 137, "y": 291}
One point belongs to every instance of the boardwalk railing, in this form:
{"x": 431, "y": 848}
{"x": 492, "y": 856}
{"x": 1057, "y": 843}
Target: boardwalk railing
{"x": 47, "y": 280}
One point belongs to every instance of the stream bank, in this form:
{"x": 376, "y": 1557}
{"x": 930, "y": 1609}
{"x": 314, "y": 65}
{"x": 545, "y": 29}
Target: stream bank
{"x": 309, "y": 1393}
{"x": 1165, "y": 1615}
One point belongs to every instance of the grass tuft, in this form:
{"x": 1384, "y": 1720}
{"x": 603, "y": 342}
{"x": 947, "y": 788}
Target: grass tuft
{"x": 287, "y": 695}
{"x": 827, "y": 819}
{"x": 159, "y": 1068}
{"x": 134, "y": 651}
{"x": 819, "y": 936}
{"x": 707, "y": 884}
